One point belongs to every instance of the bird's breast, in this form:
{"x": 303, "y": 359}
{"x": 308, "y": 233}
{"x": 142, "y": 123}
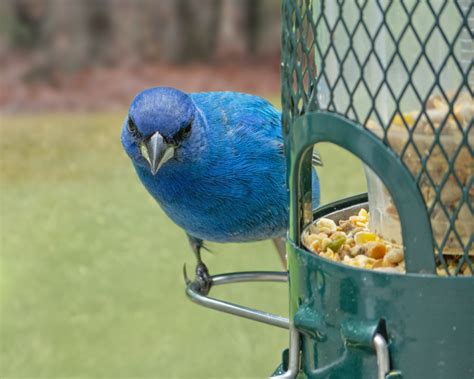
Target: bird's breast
{"x": 222, "y": 205}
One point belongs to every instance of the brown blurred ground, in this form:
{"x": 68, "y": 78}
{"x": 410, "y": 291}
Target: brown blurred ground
{"x": 97, "y": 54}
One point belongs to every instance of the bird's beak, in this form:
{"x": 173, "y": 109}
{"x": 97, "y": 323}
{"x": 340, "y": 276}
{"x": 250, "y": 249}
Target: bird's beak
{"x": 156, "y": 151}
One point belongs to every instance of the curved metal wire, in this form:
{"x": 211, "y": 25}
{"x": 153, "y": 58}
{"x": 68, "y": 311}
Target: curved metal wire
{"x": 240, "y": 310}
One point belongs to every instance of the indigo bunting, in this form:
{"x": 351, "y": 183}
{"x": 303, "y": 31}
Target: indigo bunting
{"x": 214, "y": 162}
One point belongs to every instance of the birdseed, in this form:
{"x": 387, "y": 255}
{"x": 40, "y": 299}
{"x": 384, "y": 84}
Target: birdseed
{"x": 352, "y": 243}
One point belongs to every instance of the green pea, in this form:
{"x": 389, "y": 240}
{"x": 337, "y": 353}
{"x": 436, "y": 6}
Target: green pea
{"x": 337, "y": 243}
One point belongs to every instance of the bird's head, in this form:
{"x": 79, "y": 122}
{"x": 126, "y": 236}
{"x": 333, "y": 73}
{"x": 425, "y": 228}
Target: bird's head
{"x": 159, "y": 123}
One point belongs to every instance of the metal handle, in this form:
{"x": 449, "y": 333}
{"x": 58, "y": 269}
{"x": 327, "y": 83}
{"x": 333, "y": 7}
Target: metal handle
{"x": 240, "y": 310}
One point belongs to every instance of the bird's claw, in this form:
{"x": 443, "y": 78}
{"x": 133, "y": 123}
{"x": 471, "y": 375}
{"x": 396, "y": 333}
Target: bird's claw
{"x": 203, "y": 281}
{"x": 185, "y": 274}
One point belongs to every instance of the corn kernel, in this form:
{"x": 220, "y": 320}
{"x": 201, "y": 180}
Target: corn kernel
{"x": 354, "y": 219}
{"x": 376, "y": 250}
{"x": 394, "y": 255}
{"x": 325, "y": 242}
{"x": 401, "y": 120}
{"x": 363, "y": 237}
{"x": 363, "y": 213}
{"x": 315, "y": 245}
{"x": 326, "y": 225}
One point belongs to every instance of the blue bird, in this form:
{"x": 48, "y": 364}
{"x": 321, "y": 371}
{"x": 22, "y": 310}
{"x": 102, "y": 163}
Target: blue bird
{"x": 214, "y": 162}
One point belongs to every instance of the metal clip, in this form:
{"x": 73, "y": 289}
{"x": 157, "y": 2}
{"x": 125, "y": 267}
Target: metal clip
{"x": 383, "y": 355}
{"x": 293, "y": 356}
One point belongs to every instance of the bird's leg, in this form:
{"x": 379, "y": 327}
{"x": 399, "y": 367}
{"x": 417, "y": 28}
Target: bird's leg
{"x": 203, "y": 281}
{"x": 281, "y": 250}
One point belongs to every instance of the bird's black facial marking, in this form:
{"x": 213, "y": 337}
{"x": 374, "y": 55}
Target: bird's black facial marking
{"x": 132, "y": 129}
{"x": 181, "y": 135}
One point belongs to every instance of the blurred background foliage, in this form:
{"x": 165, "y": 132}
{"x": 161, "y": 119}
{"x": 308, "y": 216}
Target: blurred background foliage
{"x": 68, "y": 35}
{"x": 96, "y": 54}
{"x": 91, "y": 269}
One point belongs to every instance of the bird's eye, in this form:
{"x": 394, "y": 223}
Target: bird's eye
{"x": 182, "y": 133}
{"x": 132, "y": 128}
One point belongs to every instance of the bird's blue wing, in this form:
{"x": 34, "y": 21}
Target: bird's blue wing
{"x": 254, "y": 117}
{"x": 241, "y": 113}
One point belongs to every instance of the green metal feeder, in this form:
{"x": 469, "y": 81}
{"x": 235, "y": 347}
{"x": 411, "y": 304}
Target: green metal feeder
{"x": 391, "y": 82}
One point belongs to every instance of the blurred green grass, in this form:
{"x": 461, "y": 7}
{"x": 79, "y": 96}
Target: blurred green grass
{"x": 91, "y": 282}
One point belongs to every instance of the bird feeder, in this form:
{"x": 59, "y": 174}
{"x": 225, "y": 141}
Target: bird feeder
{"x": 392, "y": 83}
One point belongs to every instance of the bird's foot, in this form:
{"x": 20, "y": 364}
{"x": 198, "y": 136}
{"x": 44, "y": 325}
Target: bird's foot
{"x": 203, "y": 281}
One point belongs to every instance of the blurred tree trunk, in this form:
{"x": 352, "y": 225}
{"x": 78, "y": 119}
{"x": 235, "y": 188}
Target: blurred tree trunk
{"x": 73, "y": 35}
{"x": 22, "y": 19}
{"x": 198, "y": 22}
{"x": 167, "y": 30}
{"x": 126, "y": 25}
{"x": 231, "y": 38}
{"x": 65, "y": 39}
{"x": 248, "y": 27}
{"x": 267, "y": 29}
{"x": 252, "y": 28}
{"x": 142, "y": 29}
{"x": 98, "y": 31}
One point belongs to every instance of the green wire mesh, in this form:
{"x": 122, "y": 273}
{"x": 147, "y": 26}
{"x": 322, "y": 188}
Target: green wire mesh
{"x": 388, "y": 65}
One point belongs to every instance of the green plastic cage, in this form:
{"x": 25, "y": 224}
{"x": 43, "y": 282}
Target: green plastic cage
{"x": 392, "y": 83}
